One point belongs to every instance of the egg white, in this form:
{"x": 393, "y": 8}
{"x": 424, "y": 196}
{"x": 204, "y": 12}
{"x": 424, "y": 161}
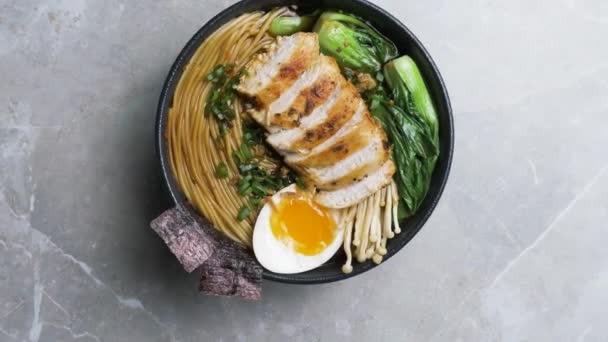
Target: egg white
{"x": 275, "y": 256}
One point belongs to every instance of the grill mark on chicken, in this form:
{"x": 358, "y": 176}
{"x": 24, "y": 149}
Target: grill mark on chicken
{"x": 357, "y": 138}
{"x": 270, "y": 75}
{"x": 317, "y": 135}
{"x": 310, "y": 105}
{"x": 353, "y": 165}
{"x": 359, "y": 173}
{"x": 315, "y": 95}
{"x": 293, "y": 70}
{"x": 358, "y": 190}
{"x": 339, "y": 148}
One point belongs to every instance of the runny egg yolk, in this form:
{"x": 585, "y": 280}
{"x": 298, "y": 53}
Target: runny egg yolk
{"x": 298, "y": 219}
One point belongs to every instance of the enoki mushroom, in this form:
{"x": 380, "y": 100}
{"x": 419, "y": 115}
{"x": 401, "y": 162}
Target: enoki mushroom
{"x": 368, "y": 225}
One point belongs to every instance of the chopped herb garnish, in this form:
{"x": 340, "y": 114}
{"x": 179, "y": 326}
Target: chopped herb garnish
{"x": 243, "y": 213}
{"x": 244, "y": 186}
{"x": 259, "y": 189}
{"x": 237, "y": 156}
{"x": 255, "y": 201}
{"x": 246, "y": 192}
{"x": 244, "y": 168}
{"x": 253, "y": 134}
{"x": 255, "y": 182}
{"x": 221, "y": 170}
{"x": 217, "y": 73}
{"x": 245, "y": 151}
{"x": 222, "y": 95}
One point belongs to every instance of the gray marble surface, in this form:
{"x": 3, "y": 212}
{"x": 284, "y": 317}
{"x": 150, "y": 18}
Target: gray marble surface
{"x": 516, "y": 250}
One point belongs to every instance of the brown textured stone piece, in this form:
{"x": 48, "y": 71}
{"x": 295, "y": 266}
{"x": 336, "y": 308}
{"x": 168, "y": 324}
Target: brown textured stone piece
{"x": 226, "y": 269}
{"x": 231, "y": 272}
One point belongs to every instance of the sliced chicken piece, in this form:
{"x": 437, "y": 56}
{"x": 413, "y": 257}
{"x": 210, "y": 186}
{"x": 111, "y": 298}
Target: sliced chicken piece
{"x": 356, "y": 192}
{"x": 351, "y": 138}
{"x": 351, "y": 168}
{"x": 272, "y": 73}
{"x": 311, "y": 90}
{"x": 314, "y": 130}
{"x": 284, "y": 62}
{"x": 302, "y": 154}
{"x": 346, "y": 106}
{"x": 351, "y": 157}
{"x": 283, "y": 139}
{"x": 357, "y": 174}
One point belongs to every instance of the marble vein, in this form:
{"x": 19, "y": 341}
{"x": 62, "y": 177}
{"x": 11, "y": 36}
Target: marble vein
{"x": 523, "y": 99}
{"x": 130, "y": 302}
{"x": 552, "y": 225}
{"x": 6, "y": 333}
{"x": 59, "y": 306}
{"x": 509, "y": 234}
{"x": 533, "y": 169}
{"x": 45, "y": 240}
{"x": 493, "y": 283}
{"x": 583, "y": 335}
{"x": 74, "y": 334}
{"x": 13, "y": 309}
{"x": 36, "y": 326}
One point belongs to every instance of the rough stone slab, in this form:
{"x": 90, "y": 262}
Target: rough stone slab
{"x": 184, "y": 237}
{"x": 226, "y": 269}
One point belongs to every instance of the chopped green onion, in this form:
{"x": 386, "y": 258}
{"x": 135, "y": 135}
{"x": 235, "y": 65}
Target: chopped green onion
{"x": 246, "y": 167}
{"x": 242, "y": 182}
{"x": 220, "y": 100}
{"x": 244, "y": 187}
{"x": 221, "y": 171}
{"x": 223, "y": 129}
{"x": 243, "y": 213}
{"x": 237, "y": 156}
{"x": 259, "y": 189}
{"x": 253, "y": 134}
{"x": 245, "y": 151}
{"x": 272, "y": 182}
{"x": 255, "y": 201}
{"x": 216, "y": 73}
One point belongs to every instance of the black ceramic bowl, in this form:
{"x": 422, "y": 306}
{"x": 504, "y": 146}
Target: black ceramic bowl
{"x": 406, "y": 42}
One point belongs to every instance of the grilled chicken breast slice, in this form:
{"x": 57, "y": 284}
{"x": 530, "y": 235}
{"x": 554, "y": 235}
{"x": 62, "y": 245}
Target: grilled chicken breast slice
{"x": 311, "y": 90}
{"x": 358, "y": 191}
{"x": 272, "y": 73}
{"x": 302, "y": 154}
{"x": 346, "y": 106}
{"x": 349, "y": 170}
{"x": 352, "y": 137}
{"x": 318, "y": 121}
{"x": 283, "y": 139}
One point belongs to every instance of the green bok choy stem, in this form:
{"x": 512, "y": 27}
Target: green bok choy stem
{"x": 409, "y": 119}
{"x": 353, "y": 43}
{"x": 290, "y": 24}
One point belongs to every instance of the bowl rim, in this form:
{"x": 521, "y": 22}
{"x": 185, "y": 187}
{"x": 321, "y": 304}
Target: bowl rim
{"x": 166, "y": 99}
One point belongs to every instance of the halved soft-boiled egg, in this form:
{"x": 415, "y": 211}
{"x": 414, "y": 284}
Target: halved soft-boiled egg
{"x": 295, "y": 234}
